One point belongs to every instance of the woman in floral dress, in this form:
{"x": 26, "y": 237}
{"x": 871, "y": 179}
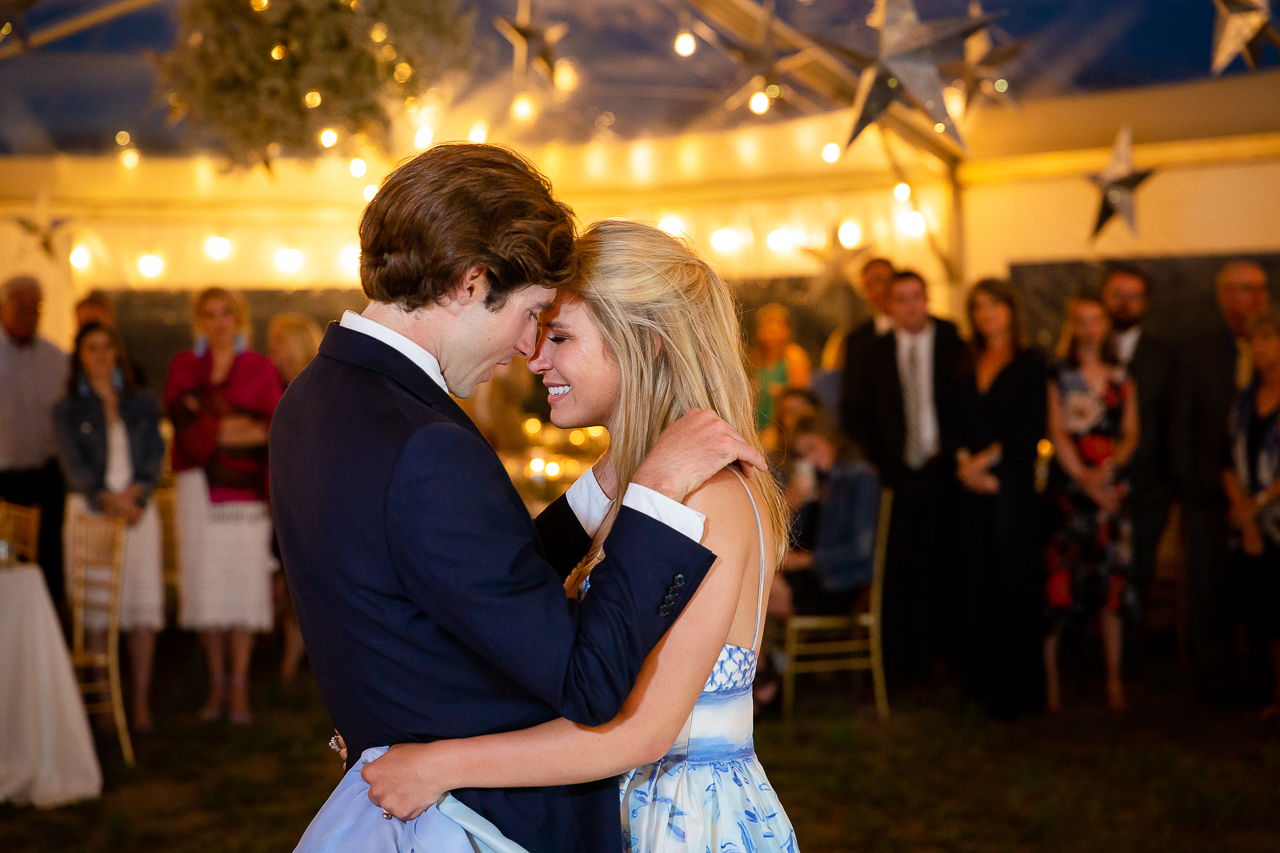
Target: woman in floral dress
{"x": 1093, "y": 423}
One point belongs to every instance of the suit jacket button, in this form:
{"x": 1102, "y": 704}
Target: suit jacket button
{"x": 678, "y": 580}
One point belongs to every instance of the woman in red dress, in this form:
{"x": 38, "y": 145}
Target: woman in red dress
{"x": 220, "y": 397}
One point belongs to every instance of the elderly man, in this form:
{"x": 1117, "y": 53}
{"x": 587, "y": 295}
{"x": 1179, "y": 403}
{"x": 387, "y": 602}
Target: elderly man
{"x": 33, "y": 376}
{"x": 1213, "y": 368}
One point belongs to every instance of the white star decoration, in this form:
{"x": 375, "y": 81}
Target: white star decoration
{"x": 1117, "y": 182}
{"x": 899, "y": 56}
{"x": 530, "y": 42}
{"x": 1239, "y": 29}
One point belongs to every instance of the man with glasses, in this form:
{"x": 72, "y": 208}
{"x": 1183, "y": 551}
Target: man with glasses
{"x": 33, "y": 376}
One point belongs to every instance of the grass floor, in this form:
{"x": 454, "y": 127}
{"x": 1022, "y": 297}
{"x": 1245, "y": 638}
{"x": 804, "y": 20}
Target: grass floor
{"x": 1167, "y": 776}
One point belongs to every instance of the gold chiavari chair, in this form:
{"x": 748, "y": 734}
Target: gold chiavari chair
{"x": 23, "y": 526}
{"x": 93, "y": 587}
{"x": 830, "y": 643}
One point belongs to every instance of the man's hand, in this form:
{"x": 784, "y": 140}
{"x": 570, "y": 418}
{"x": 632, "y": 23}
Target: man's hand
{"x": 691, "y": 451}
{"x": 403, "y": 782}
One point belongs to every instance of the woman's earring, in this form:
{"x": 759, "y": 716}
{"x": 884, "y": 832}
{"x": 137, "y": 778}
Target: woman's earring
{"x": 117, "y": 378}
{"x": 201, "y": 347}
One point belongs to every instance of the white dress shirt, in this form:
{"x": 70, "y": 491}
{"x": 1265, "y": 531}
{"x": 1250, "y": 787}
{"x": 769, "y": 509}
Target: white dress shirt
{"x": 586, "y": 498}
{"x": 922, "y": 442}
{"x": 32, "y": 379}
{"x": 1127, "y": 343}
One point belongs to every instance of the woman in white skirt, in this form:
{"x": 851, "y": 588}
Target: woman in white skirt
{"x": 220, "y": 397}
{"x": 111, "y": 452}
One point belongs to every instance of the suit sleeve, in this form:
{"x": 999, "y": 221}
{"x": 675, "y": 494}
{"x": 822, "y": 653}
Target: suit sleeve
{"x": 466, "y": 552}
{"x": 564, "y": 542}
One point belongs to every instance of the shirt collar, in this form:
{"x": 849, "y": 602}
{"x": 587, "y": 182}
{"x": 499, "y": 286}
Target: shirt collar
{"x": 419, "y": 356}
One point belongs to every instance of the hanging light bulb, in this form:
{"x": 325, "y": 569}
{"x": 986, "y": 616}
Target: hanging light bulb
{"x": 358, "y": 168}
{"x": 759, "y": 103}
{"x": 218, "y": 248}
{"x": 80, "y": 257}
{"x": 328, "y": 137}
{"x": 673, "y": 225}
{"x": 288, "y": 261}
{"x": 150, "y": 265}
{"x": 479, "y": 132}
{"x": 686, "y": 44}
{"x": 831, "y": 152}
{"x": 849, "y": 234}
{"x": 524, "y": 107}
{"x": 423, "y": 137}
{"x": 902, "y": 191}
{"x": 565, "y": 76}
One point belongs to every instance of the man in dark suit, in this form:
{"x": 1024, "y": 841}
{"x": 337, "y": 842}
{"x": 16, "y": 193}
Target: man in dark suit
{"x": 1211, "y": 370}
{"x": 428, "y": 603}
{"x": 876, "y": 276}
{"x": 902, "y": 411}
{"x": 1149, "y": 360}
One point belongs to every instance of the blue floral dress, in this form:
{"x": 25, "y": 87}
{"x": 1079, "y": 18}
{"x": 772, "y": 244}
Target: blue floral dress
{"x": 709, "y": 794}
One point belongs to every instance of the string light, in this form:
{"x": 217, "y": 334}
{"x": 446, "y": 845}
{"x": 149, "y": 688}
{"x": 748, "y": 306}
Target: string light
{"x": 673, "y": 225}
{"x": 403, "y": 72}
{"x": 577, "y": 438}
{"x": 1001, "y": 85}
{"x": 479, "y": 132}
{"x": 378, "y": 33}
{"x": 553, "y": 469}
{"x": 902, "y": 192}
{"x": 781, "y": 240}
{"x": 277, "y": 52}
{"x": 311, "y": 99}
{"x": 259, "y": 5}
{"x": 565, "y": 76}
{"x": 328, "y": 137}
{"x": 370, "y": 191}
{"x": 130, "y": 157}
{"x": 911, "y": 223}
{"x": 387, "y": 53}
{"x": 122, "y": 138}
{"x": 524, "y": 107}
{"x": 423, "y": 137}
{"x": 533, "y": 426}
{"x": 727, "y": 240}
{"x": 759, "y": 103}
{"x": 288, "y": 261}
{"x": 849, "y": 234}
{"x": 218, "y": 248}
{"x": 349, "y": 258}
{"x": 537, "y": 464}
{"x": 831, "y": 152}
{"x": 150, "y": 265}
{"x": 939, "y": 128}
{"x": 686, "y": 44}
{"x": 358, "y": 168}
{"x": 80, "y": 257}
{"x": 595, "y": 431}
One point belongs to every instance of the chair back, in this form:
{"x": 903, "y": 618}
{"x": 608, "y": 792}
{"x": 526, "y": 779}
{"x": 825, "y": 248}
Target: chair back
{"x": 882, "y": 550}
{"x": 22, "y": 526}
{"x": 93, "y": 585}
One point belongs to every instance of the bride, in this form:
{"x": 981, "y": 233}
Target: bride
{"x": 653, "y": 334}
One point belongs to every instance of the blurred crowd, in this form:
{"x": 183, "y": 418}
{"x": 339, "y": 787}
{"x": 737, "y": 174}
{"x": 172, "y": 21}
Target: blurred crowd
{"x": 1032, "y": 491}
{"x": 83, "y": 434}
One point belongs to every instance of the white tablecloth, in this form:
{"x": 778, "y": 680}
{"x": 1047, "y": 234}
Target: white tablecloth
{"x": 47, "y": 756}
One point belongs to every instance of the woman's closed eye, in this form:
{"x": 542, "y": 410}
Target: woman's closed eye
{"x": 557, "y": 339}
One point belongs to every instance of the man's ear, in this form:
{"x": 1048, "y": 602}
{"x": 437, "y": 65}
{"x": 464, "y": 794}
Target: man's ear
{"x": 474, "y": 285}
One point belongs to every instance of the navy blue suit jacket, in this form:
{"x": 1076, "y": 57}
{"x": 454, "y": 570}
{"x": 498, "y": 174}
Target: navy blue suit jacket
{"x": 428, "y": 607}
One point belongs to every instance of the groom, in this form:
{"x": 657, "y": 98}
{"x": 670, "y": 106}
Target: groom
{"x": 431, "y": 606}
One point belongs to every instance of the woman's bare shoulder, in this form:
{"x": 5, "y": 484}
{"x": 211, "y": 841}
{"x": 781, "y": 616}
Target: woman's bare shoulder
{"x": 727, "y": 506}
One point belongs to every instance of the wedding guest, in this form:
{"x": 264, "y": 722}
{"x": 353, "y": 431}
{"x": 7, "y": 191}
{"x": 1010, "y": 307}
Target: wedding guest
{"x": 1149, "y": 360}
{"x": 96, "y": 307}
{"x": 793, "y": 405}
{"x": 1251, "y": 480}
{"x": 109, "y": 443}
{"x": 904, "y": 400}
{"x": 220, "y": 397}
{"x": 33, "y": 374}
{"x": 778, "y": 361}
{"x": 837, "y": 503}
{"x": 292, "y": 341}
{"x": 1211, "y": 370}
{"x": 1093, "y": 423}
{"x": 875, "y": 278}
{"x": 1001, "y": 420}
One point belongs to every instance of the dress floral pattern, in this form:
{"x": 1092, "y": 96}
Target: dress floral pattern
{"x": 709, "y": 794}
{"x": 1091, "y": 550}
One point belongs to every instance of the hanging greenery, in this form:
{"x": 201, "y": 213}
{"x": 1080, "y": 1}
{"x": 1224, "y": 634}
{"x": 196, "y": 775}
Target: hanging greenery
{"x": 267, "y": 77}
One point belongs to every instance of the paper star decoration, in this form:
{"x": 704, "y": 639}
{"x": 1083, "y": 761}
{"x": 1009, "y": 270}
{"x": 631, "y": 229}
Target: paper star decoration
{"x": 1239, "y": 30}
{"x": 836, "y": 263}
{"x": 1117, "y": 182}
{"x": 899, "y": 58}
{"x": 979, "y": 70}
{"x": 531, "y": 42}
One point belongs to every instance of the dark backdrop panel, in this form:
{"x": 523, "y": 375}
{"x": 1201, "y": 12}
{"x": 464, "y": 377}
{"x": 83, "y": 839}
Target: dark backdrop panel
{"x": 156, "y": 324}
{"x": 1182, "y": 292}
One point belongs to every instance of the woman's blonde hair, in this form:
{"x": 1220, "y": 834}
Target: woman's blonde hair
{"x": 673, "y": 327}
{"x": 239, "y": 306}
{"x": 301, "y": 334}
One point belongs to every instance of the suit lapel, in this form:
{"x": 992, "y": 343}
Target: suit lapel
{"x": 356, "y": 348}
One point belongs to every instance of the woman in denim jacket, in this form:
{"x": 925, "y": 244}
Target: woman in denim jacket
{"x": 112, "y": 453}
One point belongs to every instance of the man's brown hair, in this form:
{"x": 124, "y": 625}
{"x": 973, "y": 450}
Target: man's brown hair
{"x": 458, "y": 206}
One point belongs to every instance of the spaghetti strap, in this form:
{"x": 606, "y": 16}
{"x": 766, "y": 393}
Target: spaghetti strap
{"x": 760, "y": 531}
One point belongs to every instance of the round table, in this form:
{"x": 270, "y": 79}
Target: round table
{"x": 47, "y": 756}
